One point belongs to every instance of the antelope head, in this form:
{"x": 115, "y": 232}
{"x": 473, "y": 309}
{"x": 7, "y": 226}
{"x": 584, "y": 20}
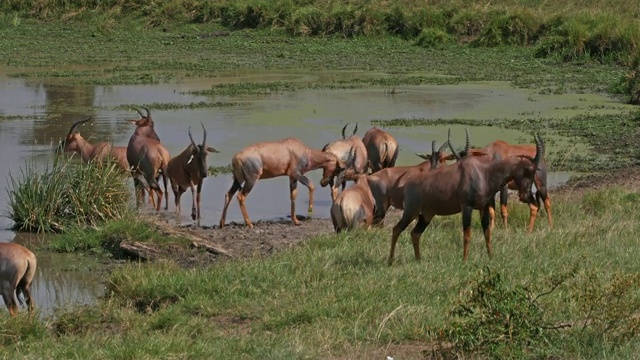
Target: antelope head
{"x": 524, "y": 174}
{"x": 435, "y": 157}
{"x": 145, "y": 120}
{"x": 199, "y": 153}
{"x": 72, "y": 137}
{"x": 348, "y": 164}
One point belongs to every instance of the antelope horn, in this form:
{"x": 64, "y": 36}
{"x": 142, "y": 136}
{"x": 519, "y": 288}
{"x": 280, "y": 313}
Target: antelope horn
{"x": 355, "y": 130}
{"x": 343, "y": 130}
{"x": 191, "y": 137}
{"x": 147, "y": 110}
{"x": 467, "y": 144}
{"x": 77, "y": 123}
{"x": 433, "y": 146}
{"x": 204, "y": 136}
{"x": 441, "y": 149}
{"x": 453, "y": 151}
{"x": 138, "y": 110}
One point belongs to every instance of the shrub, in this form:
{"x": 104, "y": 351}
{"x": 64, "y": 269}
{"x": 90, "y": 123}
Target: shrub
{"x": 66, "y": 194}
{"x": 433, "y": 37}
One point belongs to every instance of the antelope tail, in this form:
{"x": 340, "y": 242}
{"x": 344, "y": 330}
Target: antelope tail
{"x": 346, "y": 216}
{"x": 384, "y": 157}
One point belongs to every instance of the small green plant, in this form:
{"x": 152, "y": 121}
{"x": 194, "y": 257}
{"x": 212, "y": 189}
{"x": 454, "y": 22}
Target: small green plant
{"x": 500, "y": 319}
{"x": 433, "y": 37}
{"x": 67, "y": 193}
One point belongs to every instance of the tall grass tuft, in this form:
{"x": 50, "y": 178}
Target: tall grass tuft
{"x": 66, "y": 193}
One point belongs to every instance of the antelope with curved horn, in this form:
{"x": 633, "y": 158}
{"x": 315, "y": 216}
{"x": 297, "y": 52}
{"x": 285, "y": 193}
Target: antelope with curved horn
{"x": 270, "y": 159}
{"x": 188, "y": 170}
{"x": 17, "y": 269}
{"x": 341, "y": 148}
{"x": 382, "y": 149}
{"x": 101, "y": 151}
{"x": 387, "y": 185}
{"x": 501, "y": 150}
{"x": 148, "y": 158}
{"x": 469, "y": 184}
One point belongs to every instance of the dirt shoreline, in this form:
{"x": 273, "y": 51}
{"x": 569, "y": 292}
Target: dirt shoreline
{"x": 237, "y": 241}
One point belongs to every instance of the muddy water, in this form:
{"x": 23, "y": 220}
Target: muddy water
{"x": 314, "y": 116}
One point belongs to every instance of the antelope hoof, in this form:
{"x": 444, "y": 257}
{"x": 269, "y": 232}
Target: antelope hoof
{"x": 193, "y": 215}
{"x": 310, "y": 209}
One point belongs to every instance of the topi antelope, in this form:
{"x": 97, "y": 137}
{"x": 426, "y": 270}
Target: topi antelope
{"x": 387, "y": 185}
{"x": 469, "y": 184}
{"x": 188, "y": 169}
{"x": 101, "y": 151}
{"x": 148, "y": 158}
{"x": 353, "y": 207}
{"x": 501, "y": 150}
{"x": 341, "y": 148}
{"x": 286, "y": 157}
{"x": 17, "y": 269}
{"x": 382, "y": 149}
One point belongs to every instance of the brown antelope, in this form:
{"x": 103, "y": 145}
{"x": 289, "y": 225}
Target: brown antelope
{"x": 148, "y": 158}
{"x": 17, "y": 269}
{"x": 341, "y": 148}
{"x": 387, "y": 185}
{"x": 469, "y": 184}
{"x": 188, "y": 169}
{"x": 354, "y": 207}
{"x": 501, "y": 150}
{"x": 101, "y": 151}
{"x": 286, "y": 157}
{"x": 382, "y": 149}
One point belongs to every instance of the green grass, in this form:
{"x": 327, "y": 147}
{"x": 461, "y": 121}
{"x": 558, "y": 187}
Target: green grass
{"x": 570, "y": 292}
{"x": 66, "y": 194}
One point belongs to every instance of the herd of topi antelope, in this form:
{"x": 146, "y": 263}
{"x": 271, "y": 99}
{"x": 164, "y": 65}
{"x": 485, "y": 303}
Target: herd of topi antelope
{"x": 421, "y": 191}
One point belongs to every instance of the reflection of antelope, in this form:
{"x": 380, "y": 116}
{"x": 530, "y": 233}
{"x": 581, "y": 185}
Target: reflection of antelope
{"x": 501, "y": 150}
{"x": 387, "y": 185}
{"x": 286, "y": 157}
{"x": 17, "y": 268}
{"x": 469, "y": 184}
{"x": 101, "y": 151}
{"x": 188, "y": 169}
{"x": 148, "y": 158}
{"x": 341, "y": 148}
{"x": 382, "y": 149}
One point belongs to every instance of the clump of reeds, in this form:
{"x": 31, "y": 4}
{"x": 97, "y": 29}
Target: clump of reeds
{"x": 66, "y": 193}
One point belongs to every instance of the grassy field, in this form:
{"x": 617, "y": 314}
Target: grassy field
{"x": 571, "y": 292}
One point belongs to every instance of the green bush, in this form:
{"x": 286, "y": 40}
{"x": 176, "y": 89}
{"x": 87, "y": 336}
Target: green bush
{"x": 433, "y": 37}
{"x": 65, "y": 194}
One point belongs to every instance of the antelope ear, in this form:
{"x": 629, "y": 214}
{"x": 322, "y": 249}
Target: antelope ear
{"x": 134, "y": 122}
{"x": 190, "y": 159}
{"x": 422, "y": 156}
{"x": 212, "y": 150}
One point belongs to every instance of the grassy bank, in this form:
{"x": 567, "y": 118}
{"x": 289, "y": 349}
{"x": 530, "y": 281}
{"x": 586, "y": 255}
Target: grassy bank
{"x": 604, "y": 30}
{"x": 571, "y": 292}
